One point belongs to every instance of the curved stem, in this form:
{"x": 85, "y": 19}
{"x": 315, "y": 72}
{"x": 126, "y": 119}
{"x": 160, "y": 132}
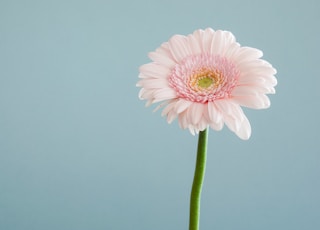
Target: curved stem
{"x": 198, "y": 180}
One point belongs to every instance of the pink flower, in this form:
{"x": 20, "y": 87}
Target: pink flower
{"x": 203, "y": 78}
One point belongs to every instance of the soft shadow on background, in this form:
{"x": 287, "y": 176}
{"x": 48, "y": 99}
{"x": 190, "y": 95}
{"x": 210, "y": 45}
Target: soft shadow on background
{"x": 78, "y": 150}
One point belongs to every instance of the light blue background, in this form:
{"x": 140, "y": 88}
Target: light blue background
{"x": 78, "y": 150}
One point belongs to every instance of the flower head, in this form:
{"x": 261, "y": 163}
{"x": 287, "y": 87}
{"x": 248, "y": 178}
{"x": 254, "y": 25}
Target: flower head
{"x": 204, "y": 78}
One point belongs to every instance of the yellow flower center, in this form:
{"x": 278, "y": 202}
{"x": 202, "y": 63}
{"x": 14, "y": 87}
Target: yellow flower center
{"x": 205, "y": 80}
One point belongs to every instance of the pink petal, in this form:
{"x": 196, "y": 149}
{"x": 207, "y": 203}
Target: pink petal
{"x": 153, "y": 83}
{"x": 260, "y": 101}
{"x": 202, "y": 125}
{"x": 162, "y": 59}
{"x": 206, "y": 39}
{"x": 217, "y": 43}
{"x": 192, "y": 130}
{"x": 197, "y": 37}
{"x": 229, "y": 37}
{"x": 194, "y": 44}
{"x": 238, "y": 123}
{"x": 217, "y": 126}
{"x": 182, "y": 105}
{"x": 163, "y": 94}
{"x": 255, "y": 69}
{"x": 161, "y": 105}
{"x": 261, "y": 80}
{"x": 251, "y": 90}
{"x": 145, "y": 94}
{"x": 171, "y": 116}
{"x": 224, "y": 106}
{"x": 183, "y": 122}
{"x": 214, "y": 113}
{"x": 179, "y": 48}
{"x": 231, "y": 51}
{"x": 154, "y": 70}
{"x": 195, "y": 112}
{"x": 248, "y": 53}
{"x": 167, "y": 109}
{"x": 245, "y": 130}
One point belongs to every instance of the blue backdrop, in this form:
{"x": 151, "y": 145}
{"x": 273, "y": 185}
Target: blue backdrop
{"x": 79, "y": 151}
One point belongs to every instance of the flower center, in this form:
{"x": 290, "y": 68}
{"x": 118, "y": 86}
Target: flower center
{"x": 203, "y": 78}
{"x": 205, "y": 82}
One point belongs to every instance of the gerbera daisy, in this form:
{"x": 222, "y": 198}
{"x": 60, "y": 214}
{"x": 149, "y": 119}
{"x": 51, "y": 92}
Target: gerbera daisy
{"x": 204, "y": 78}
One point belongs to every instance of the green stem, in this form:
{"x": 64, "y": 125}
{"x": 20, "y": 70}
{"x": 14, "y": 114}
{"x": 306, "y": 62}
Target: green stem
{"x": 198, "y": 180}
